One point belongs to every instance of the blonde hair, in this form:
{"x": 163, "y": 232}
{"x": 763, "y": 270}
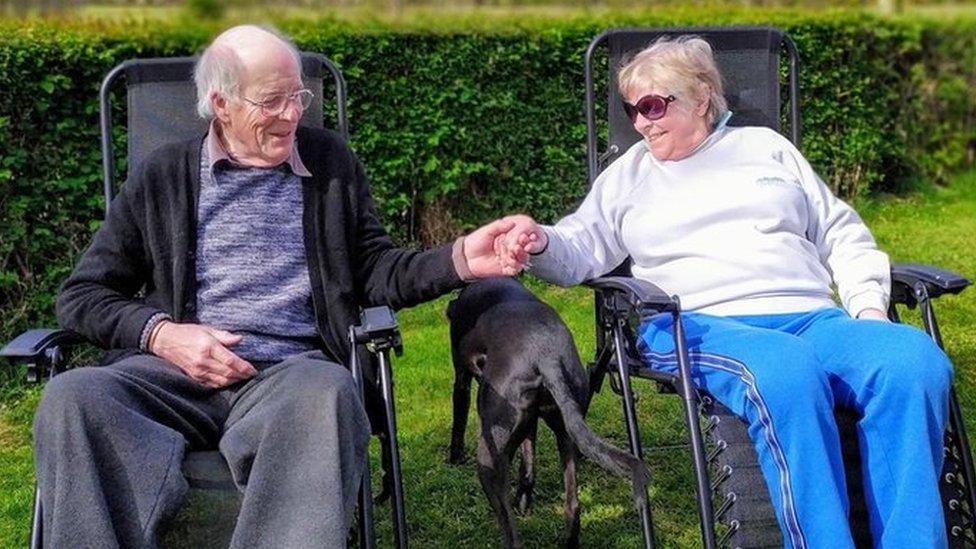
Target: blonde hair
{"x": 682, "y": 66}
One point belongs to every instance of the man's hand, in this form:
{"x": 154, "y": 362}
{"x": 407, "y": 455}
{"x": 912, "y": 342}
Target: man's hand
{"x": 480, "y": 251}
{"x": 872, "y": 314}
{"x": 201, "y": 352}
{"x": 502, "y": 248}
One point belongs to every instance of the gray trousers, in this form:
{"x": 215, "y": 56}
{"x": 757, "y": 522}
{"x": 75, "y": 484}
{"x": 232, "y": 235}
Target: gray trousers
{"x": 109, "y": 443}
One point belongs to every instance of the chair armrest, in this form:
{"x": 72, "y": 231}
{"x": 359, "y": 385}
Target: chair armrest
{"x": 379, "y": 330}
{"x": 905, "y": 277}
{"x": 32, "y": 344}
{"x": 640, "y": 294}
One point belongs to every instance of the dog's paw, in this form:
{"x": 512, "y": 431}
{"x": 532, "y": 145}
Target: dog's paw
{"x": 456, "y": 458}
{"x": 523, "y": 502}
{"x": 640, "y": 479}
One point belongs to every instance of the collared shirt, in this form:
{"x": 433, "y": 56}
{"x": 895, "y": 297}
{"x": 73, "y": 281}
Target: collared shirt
{"x": 156, "y": 221}
{"x": 216, "y": 152}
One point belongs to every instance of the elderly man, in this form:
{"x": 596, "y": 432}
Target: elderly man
{"x": 255, "y": 246}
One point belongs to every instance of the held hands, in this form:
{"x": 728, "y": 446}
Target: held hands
{"x": 202, "y": 353}
{"x": 523, "y": 239}
{"x": 502, "y": 247}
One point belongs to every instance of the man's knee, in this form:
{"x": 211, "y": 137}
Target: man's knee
{"x": 318, "y": 378}
{"x": 75, "y": 394}
{"x": 314, "y": 388}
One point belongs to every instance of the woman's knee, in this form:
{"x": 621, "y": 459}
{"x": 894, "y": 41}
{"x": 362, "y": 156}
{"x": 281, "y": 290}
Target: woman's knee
{"x": 913, "y": 363}
{"x": 796, "y": 381}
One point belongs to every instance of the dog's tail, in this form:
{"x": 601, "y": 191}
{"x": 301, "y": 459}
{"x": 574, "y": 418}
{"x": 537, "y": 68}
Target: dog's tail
{"x": 603, "y": 453}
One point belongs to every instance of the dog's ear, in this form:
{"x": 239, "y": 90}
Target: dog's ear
{"x": 449, "y": 312}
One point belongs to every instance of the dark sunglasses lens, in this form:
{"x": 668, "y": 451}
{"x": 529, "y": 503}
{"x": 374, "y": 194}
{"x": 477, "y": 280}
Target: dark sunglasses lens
{"x": 652, "y": 107}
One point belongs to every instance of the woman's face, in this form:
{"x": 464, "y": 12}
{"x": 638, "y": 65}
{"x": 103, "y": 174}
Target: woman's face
{"x": 676, "y": 134}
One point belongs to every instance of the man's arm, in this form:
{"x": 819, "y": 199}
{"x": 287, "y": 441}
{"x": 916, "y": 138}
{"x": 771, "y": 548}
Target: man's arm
{"x": 399, "y": 277}
{"x": 97, "y": 299}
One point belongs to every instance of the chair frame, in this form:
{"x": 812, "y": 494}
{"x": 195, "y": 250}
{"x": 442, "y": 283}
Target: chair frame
{"x": 45, "y": 351}
{"x": 619, "y": 297}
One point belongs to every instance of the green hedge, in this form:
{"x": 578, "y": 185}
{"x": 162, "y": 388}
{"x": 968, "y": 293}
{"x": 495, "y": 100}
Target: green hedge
{"x": 458, "y": 122}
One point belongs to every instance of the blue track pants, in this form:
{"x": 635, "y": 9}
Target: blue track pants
{"x": 783, "y": 374}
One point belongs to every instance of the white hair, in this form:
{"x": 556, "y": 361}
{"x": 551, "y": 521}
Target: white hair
{"x": 682, "y": 66}
{"x": 219, "y": 68}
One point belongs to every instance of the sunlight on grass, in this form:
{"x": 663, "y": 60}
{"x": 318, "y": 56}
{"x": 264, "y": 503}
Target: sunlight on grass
{"x": 446, "y": 507}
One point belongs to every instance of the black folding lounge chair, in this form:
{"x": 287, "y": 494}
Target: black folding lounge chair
{"x": 752, "y": 61}
{"x": 160, "y": 108}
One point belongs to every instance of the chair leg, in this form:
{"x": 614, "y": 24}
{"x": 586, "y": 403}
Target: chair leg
{"x": 956, "y": 423}
{"x": 959, "y": 428}
{"x": 366, "y": 530}
{"x": 36, "y": 541}
{"x": 399, "y": 515}
{"x": 690, "y": 398}
{"x": 633, "y": 436}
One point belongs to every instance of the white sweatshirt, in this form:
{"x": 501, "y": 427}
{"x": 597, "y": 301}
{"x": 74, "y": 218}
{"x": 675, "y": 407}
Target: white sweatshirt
{"x": 743, "y": 226}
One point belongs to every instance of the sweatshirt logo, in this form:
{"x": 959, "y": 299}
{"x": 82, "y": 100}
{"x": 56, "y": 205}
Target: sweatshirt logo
{"x": 777, "y": 181}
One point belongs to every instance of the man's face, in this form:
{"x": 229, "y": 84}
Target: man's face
{"x": 253, "y": 134}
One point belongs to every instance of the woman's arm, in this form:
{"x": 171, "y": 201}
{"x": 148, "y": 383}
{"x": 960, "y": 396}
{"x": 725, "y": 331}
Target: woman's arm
{"x": 583, "y": 245}
{"x": 860, "y": 270}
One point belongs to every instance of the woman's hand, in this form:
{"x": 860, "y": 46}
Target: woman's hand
{"x": 481, "y": 252}
{"x": 523, "y": 239}
{"x": 502, "y": 247}
{"x": 872, "y": 314}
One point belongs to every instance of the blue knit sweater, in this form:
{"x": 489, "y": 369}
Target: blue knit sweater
{"x": 252, "y": 277}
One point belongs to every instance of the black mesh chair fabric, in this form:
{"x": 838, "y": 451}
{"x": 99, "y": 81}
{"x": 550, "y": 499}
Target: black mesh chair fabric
{"x": 749, "y": 62}
{"x": 161, "y": 102}
{"x": 748, "y": 59}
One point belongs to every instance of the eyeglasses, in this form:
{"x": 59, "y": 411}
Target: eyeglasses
{"x": 652, "y": 107}
{"x": 276, "y": 104}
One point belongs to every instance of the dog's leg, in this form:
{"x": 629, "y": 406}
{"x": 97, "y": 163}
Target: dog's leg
{"x": 493, "y": 467}
{"x": 502, "y": 429}
{"x": 462, "y": 401}
{"x": 567, "y": 456}
{"x": 523, "y": 495}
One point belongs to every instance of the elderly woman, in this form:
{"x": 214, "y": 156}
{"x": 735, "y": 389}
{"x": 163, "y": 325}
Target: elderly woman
{"x": 736, "y": 222}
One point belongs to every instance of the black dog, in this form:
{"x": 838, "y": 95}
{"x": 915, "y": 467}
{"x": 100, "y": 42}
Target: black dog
{"x": 527, "y": 368}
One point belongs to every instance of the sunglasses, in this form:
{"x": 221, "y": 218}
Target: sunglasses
{"x": 651, "y": 107}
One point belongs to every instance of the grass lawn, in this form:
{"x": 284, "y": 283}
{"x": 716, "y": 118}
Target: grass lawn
{"x": 445, "y": 504}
